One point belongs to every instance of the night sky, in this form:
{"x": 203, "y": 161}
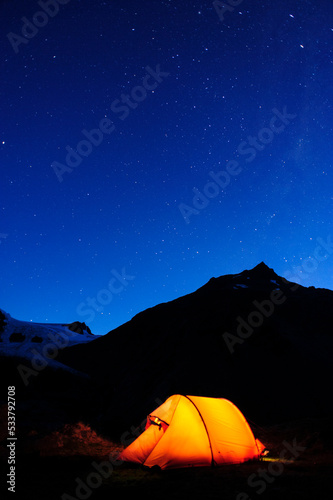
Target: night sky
{"x": 146, "y": 146}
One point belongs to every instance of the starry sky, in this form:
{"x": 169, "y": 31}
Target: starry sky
{"x": 148, "y": 146}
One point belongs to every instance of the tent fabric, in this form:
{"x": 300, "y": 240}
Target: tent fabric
{"x": 193, "y": 431}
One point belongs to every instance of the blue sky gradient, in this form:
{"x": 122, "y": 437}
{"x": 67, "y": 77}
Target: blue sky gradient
{"x": 166, "y": 109}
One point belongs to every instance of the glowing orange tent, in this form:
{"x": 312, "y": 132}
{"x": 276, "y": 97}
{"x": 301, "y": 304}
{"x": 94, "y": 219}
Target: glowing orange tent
{"x": 193, "y": 431}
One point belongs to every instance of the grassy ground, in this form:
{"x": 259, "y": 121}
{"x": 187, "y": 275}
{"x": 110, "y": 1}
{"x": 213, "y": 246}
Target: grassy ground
{"x": 51, "y": 477}
{"x": 75, "y": 464}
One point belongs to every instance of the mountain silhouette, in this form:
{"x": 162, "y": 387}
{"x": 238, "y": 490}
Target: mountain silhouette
{"x": 253, "y": 337}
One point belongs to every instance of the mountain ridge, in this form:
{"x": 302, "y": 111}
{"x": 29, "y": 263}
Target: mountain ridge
{"x": 180, "y": 347}
{"x": 255, "y": 338}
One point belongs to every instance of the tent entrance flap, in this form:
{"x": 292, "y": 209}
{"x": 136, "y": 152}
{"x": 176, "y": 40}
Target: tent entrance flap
{"x": 152, "y": 420}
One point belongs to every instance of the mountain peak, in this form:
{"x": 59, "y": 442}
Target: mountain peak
{"x": 262, "y": 268}
{"x": 262, "y": 272}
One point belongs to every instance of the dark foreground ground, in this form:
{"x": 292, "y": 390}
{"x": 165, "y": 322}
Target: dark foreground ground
{"x": 76, "y": 463}
{"x": 52, "y": 477}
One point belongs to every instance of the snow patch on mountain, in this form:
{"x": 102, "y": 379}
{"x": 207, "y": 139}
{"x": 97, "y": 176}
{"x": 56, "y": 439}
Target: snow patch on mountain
{"x": 24, "y": 339}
